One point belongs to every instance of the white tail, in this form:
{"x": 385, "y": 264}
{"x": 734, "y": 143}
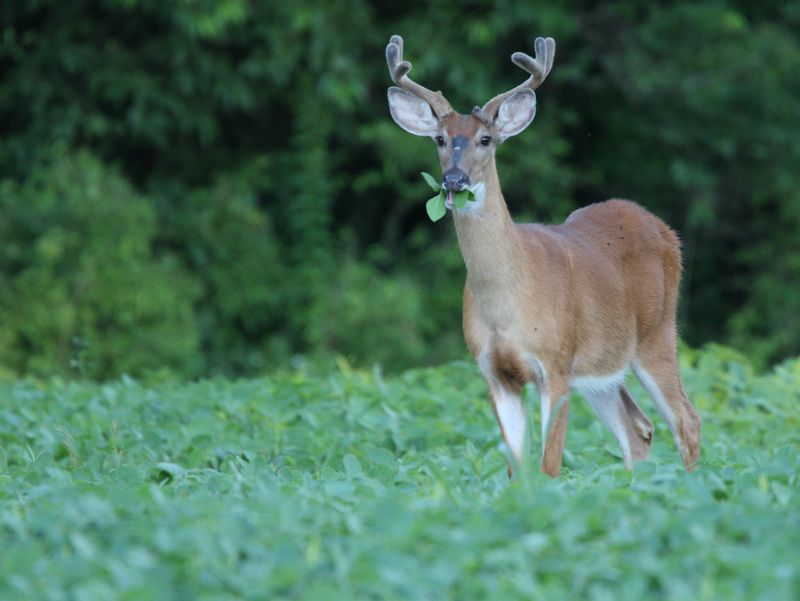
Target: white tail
{"x": 570, "y": 306}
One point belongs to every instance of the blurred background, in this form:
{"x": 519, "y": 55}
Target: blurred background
{"x": 216, "y": 186}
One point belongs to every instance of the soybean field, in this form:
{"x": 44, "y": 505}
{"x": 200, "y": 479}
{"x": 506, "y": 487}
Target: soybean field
{"x": 348, "y": 484}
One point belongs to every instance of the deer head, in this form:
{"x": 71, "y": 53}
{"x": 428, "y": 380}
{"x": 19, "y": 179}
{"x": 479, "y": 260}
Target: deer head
{"x": 466, "y": 143}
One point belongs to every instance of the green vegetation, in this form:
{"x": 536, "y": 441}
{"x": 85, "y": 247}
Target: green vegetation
{"x": 359, "y": 486}
{"x": 216, "y": 187}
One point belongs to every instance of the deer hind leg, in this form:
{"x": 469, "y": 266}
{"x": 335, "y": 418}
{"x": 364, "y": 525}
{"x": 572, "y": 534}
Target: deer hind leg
{"x": 511, "y": 416}
{"x": 657, "y": 370}
{"x": 619, "y": 412}
{"x": 554, "y": 427}
{"x": 639, "y": 426}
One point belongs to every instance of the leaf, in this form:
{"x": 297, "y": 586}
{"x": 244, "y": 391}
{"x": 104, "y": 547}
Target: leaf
{"x": 431, "y": 181}
{"x": 475, "y": 191}
{"x": 172, "y": 469}
{"x": 460, "y": 199}
{"x": 352, "y": 466}
{"x": 435, "y": 207}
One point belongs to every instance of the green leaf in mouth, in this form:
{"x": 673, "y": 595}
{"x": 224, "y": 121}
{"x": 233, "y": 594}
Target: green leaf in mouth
{"x": 435, "y": 207}
{"x": 435, "y": 186}
{"x": 460, "y": 199}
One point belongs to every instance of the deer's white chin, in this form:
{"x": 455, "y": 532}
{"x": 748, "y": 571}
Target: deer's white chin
{"x": 448, "y": 202}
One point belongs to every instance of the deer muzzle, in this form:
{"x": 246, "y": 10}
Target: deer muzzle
{"x": 455, "y": 180}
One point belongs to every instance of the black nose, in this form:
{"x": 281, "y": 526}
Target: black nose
{"x": 454, "y": 179}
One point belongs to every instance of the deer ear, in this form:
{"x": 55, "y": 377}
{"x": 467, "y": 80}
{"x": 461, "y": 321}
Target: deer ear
{"x": 515, "y": 114}
{"x": 412, "y": 113}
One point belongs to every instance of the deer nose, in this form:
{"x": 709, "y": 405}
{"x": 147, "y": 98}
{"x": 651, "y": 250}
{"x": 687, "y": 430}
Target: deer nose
{"x": 454, "y": 179}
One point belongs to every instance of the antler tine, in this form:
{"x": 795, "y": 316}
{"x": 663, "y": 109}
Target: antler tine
{"x": 398, "y": 70}
{"x": 538, "y": 68}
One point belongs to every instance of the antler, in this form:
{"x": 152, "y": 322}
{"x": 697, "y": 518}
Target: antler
{"x": 538, "y": 68}
{"x": 398, "y": 69}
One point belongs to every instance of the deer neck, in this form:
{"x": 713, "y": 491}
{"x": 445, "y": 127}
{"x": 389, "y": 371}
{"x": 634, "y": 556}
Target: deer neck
{"x": 490, "y": 244}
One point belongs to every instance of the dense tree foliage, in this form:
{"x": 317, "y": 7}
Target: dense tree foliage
{"x": 217, "y": 186}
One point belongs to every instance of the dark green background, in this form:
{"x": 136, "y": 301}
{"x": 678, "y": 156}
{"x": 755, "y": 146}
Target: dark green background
{"x": 217, "y": 187}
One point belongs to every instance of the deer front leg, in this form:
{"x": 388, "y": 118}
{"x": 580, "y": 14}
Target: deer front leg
{"x": 511, "y": 416}
{"x": 554, "y": 427}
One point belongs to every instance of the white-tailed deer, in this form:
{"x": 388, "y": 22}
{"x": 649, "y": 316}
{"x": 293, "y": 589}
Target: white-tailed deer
{"x": 570, "y": 306}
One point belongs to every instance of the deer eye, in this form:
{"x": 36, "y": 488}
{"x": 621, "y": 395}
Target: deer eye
{"x": 439, "y": 140}
{"x": 486, "y": 140}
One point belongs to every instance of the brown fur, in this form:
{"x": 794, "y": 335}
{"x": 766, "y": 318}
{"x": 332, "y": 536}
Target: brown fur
{"x": 510, "y": 370}
{"x": 585, "y": 298}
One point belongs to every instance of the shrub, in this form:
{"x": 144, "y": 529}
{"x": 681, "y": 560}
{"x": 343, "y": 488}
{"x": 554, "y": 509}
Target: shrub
{"x": 80, "y": 285}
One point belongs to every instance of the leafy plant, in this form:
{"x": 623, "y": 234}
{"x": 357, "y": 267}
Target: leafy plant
{"x": 352, "y": 485}
{"x": 82, "y": 289}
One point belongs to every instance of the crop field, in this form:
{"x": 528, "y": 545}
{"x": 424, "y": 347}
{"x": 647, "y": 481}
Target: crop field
{"x": 354, "y": 485}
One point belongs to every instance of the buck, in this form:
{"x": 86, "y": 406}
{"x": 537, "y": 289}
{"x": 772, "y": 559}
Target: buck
{"x": 574, "y": 306}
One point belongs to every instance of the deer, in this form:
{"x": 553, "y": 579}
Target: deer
{"x": 568, "y": 307}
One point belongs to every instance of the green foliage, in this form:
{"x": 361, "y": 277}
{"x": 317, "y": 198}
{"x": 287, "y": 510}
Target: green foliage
{"x": 80, "y": 286}
{"x": 372, "y": 318}
{"x": 435, "y": 207}
{"x": 232, "y": 250}
{"x": 354, "y": 486}
{"x": 255, "y": 136}
{"x": 431, "y": 181}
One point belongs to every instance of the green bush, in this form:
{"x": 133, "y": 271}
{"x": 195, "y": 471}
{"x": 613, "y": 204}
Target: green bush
{"x": 369, "y": 317}
{"x": 230, "y": 247}
{"x": 81, "y": 288}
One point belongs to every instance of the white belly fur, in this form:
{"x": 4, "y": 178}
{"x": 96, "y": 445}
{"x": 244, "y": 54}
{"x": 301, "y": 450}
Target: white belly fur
{"x": 591, "y": 385}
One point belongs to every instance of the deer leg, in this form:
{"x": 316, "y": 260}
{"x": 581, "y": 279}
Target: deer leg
{"x": 620, "y": 413}
{"x": 554, "y": 427}
{"x": 657, "y": 370}
{"x": 640, "y": 427}
{"x": 511, "y": 416}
